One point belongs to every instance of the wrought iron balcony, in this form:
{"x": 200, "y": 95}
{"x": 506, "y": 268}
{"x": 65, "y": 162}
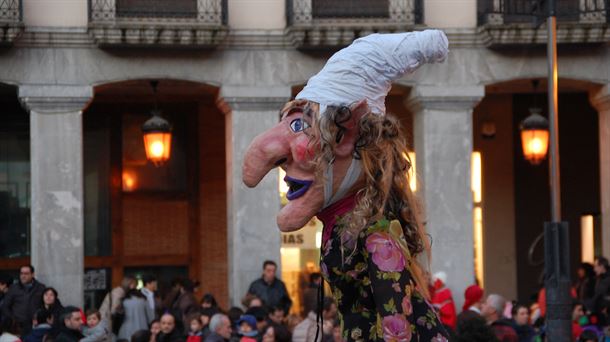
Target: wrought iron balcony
{"x": 335, "y": 23}
{"x": 520, "y": 21}
{"x": 154, "y": 23}
{"x": 10, "y": 20}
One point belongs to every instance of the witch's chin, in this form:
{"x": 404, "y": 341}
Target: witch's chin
{"x": 295, "y": 216}
{"x": 290, "y": 225}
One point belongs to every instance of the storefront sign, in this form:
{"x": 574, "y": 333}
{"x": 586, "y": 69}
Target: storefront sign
{"x": 304, "y": 238}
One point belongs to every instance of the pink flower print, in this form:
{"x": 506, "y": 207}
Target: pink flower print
{"x": 396, "y": 287}
{"x": 396, "y": 328}
{"x": 407, "y": 307}
{"x": 386, "y": 253}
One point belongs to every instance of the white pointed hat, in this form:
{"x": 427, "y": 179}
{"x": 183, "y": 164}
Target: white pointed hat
{"x": 367, "y": 68}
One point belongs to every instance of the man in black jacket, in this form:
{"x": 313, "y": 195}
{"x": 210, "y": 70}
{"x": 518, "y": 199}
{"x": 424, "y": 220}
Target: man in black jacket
{"x": 271, "y": 290}
{"x": 23, "y": 299}
{"x": 72, "y": 323}
{"x": 602, "y": 286}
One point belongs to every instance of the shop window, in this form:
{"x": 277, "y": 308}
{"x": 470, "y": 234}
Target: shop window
{"x": 300, "y": 253}
{"x": 96, "y": 160}
{"x": 14, "y": 177}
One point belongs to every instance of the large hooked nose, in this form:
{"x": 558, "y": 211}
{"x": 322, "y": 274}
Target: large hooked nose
{"x": 268, "y": 150}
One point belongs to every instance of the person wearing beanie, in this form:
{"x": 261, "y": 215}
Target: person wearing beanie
{"x": 469, "y": 321}
{"x": 473, "y": 299}
{"x": 345, "y": 163}
{"x": 442, "y": 299}
{"x": 246, "y": 328}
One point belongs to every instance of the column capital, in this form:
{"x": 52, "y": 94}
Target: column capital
{"x": 54, "y": 99}
{"x": 600, "y": 99}
{"x": 252, "y": 98}
{"x": 450, "y": 98}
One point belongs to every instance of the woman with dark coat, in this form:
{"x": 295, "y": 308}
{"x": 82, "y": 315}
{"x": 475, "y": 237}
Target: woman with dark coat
{"x": 51, "y": 303}
{"x": 585, "y": 284}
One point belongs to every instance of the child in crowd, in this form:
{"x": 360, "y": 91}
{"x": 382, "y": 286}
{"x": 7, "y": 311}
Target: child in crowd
{"x": 205, "y": 316}
{"x": 195, "y": 329}
{"x": 96, "y": 329}
{"x": 247, "y": 328}
{"x": 43, "y": 320}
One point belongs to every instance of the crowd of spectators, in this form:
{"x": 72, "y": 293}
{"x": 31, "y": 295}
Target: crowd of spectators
{"x": 493, "y": 318}
{"x": 32, "y": 312}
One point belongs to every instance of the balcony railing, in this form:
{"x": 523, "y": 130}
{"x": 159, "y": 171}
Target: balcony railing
{"x": 335, "y": 23}
{"x": 10, "y": 20}
{"x": 499, "y": 12}
{"x": 521, "y": 21}
{"x": 188, "y": 23}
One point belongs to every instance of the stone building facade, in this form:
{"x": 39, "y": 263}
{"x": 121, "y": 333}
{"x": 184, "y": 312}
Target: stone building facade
{"x": 232, "y": 64}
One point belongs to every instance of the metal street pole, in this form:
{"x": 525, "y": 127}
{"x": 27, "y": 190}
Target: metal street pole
{"x": 553, "y": 119}
{"x": 556, "y": 237}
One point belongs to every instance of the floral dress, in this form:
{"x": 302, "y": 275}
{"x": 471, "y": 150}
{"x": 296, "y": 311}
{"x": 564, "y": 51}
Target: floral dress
{"x": 376, "y": 295}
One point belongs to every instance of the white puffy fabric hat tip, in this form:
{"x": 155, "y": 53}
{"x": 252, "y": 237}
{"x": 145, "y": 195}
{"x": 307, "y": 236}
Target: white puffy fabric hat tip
{"x": 367, "y": 68}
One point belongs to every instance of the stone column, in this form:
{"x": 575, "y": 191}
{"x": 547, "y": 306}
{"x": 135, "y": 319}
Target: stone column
{"x": 443, "y": 146}
{"x": 601, "y": 101}
{"x": 253, "y": 235}
{"x": 56, "y": 144}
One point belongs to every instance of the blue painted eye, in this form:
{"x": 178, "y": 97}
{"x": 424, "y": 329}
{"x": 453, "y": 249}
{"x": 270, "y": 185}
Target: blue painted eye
{"x": 298, "y": 125}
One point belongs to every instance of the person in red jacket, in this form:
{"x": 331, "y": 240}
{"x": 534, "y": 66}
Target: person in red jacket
{"x": 442, "y": 299}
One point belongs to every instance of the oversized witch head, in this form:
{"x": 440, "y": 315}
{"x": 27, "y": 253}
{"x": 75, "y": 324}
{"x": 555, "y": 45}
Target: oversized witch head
{"x": 329, "y": 136}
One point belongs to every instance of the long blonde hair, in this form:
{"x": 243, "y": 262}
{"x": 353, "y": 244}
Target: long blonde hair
{"x": 381, "y": 148}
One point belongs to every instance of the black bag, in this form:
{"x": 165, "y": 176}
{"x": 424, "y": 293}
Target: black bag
{"x": 117, "y": 318}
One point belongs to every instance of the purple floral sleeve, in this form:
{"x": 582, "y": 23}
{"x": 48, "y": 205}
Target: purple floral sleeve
{"x": 403, "y": 313}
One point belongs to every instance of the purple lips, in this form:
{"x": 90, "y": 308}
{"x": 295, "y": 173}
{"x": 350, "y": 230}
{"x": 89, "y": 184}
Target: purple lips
{"x": 296, "y": 187}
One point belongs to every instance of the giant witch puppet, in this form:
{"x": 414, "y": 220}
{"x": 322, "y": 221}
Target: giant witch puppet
{"x": 345, "y": 162}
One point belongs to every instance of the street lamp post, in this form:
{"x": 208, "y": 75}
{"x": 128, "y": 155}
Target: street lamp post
{"x": 556, "y": 243}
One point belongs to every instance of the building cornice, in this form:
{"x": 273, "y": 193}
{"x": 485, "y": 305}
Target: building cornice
{"x": 55, "y": 99}
{"x": 486, "y": 36}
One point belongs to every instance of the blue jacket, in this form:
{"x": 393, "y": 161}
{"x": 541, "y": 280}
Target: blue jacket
{"x": 38, "y": 333}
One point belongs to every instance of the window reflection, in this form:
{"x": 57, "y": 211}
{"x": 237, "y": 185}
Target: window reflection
{"x": 96, "y": 156}
{"x": 14, "y": 180}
